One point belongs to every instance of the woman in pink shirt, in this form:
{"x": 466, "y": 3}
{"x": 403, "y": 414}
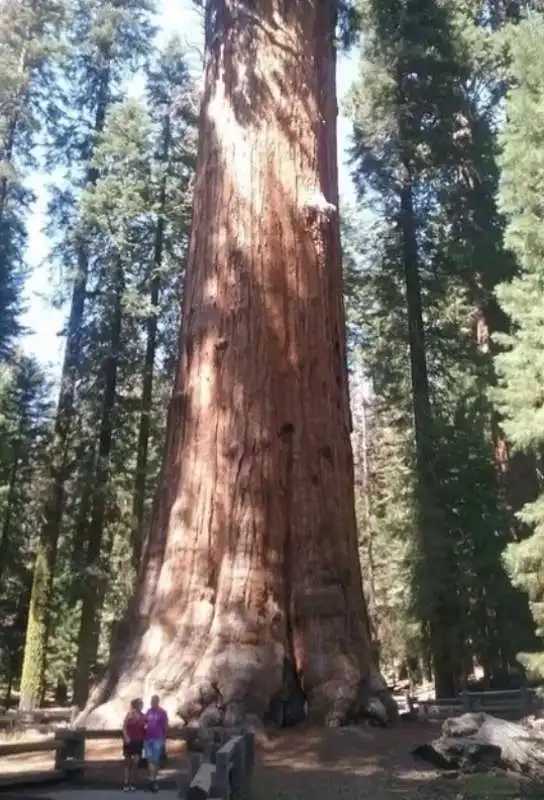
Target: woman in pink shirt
{"x": 133, "y": 742}
{"x": 155, "y": 738}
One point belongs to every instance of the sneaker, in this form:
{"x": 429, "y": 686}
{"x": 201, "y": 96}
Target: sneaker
{"x": 126, "y": 787}
{"x": 132, "y": 788}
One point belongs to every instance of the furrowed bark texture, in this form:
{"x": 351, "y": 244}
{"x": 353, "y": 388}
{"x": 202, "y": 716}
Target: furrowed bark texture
{"x": 252, "y": 555}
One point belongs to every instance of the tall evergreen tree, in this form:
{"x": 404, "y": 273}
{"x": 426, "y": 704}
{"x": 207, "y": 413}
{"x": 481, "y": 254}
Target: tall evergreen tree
{"x": 107, "y": 43}
{"x": 29, "y": 45}
{"x": 138, "y": 213}
{"x": 25, "y": 419}
{"x": 423, "y": 154}
{"x": 519, "y": 391}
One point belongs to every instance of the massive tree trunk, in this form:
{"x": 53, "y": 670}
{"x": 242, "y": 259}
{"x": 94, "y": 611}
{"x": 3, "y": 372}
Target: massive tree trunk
{"x": 252, "y": 554}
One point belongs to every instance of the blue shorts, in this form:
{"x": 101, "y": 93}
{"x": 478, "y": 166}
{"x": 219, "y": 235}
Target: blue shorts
{"x": 154, "y": 749}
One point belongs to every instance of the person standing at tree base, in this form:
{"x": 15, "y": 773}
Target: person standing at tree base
{"x": 133, "y": 742}
{"x": 155, "y": 738}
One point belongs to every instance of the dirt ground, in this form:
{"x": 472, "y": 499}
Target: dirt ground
{"x": 303, "y": 764}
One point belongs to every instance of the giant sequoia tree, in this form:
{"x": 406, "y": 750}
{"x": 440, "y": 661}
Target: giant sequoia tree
{"x": 252, "y": 553}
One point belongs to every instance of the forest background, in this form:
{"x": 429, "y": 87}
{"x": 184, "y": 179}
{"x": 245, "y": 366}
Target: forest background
{"x": 442, "y": 111}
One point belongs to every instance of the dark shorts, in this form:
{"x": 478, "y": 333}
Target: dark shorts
{"x": 133, "y": 749}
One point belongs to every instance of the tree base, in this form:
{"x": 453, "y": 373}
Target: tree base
{"x": 229, "y": 684}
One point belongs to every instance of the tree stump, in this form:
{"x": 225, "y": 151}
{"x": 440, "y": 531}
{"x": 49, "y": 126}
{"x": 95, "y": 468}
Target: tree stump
{"x": 485, "y": 741}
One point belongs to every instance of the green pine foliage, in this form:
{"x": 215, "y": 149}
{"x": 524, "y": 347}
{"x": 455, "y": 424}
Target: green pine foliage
{"x": 424, "y": 159}
{"x": 29, "y": 49}
{"x": 25, "y": 428}
{"x": 519, "y": 391}
{"x": 136, "y": 218}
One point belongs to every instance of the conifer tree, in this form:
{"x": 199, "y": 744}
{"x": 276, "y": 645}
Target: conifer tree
{"x": 25, "y": 419}
{"x": 424, "y": 155}
{"x": 107, "y": 43}
{"x": 519, "y": 391}
{"x": 137, "y": 214}
{"x": 29, "y": 47}
{"x": 172, "y": 109}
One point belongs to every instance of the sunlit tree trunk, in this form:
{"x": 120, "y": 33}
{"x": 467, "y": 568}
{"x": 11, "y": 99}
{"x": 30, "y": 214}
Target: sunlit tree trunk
{"x": 252, "y": 555}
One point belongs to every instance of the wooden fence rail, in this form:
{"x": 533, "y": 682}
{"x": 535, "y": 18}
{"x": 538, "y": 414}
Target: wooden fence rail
{"x": 42, "y": 719}
{"x": 68, "y": 745}
{"x": 508, "y": 703}
{"x": 224, "y": 772}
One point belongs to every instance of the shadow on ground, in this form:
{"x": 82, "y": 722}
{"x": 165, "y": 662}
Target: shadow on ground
{"x": 369, "y": 763}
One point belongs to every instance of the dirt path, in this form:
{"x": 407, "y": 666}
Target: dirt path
{"x": 305, "y": 764}
{"x": 347, "y": 763}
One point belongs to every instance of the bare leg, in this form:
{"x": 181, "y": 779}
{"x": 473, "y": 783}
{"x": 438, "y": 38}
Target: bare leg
{"x": 133, "y": 769}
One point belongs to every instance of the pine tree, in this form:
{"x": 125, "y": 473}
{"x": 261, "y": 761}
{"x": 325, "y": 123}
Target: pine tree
{"x": 107, "y": 41}
{"x": 519, "y": 393}
{"x": 424, "y": 155}
{"x": 137, "y": 215}
{"x": 25, "y": 417}
{"x": 29, "y": 47}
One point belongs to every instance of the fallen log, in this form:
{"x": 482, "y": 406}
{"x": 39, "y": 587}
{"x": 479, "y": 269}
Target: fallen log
{"x": 482, "y": 741}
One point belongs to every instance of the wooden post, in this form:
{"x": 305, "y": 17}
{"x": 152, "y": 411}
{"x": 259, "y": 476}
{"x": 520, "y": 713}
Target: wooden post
{"x": 249, "y": 744}
{"x": 222, "y": 782}
{"x": 60, "y": 750}
{"x": 70, "y": 751}
{"x": 196, "y": 761}
{"x": 79, "y": 747}
{"x": 238, "y": 768}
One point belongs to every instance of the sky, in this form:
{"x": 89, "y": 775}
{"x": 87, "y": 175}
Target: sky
{"x": 44, "y": 323}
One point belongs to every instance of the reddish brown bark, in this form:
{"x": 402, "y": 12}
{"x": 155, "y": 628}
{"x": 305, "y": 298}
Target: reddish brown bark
{"x": 517, "y": 471}
{"x": 252, "y": 553}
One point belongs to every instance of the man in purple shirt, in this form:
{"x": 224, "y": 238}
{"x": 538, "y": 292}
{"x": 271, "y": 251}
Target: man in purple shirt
{"x": 155, "y": 737}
